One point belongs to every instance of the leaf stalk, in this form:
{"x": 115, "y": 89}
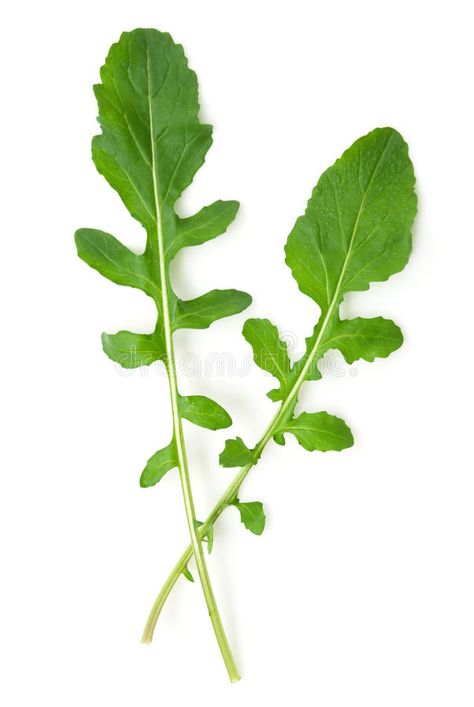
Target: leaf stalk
{"x": 234, "y": 487}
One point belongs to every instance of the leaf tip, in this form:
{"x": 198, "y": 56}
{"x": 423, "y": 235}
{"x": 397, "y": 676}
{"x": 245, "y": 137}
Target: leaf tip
{"x": 144, "y": 482}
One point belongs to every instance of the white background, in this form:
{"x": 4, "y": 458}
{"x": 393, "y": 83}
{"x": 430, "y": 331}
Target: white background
{"x": 361, "y": 589}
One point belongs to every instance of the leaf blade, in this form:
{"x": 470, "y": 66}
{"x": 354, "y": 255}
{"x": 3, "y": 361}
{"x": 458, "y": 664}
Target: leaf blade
{"x": 158, "y": 465}
{"x": 269, "y": 352}
{"x": 252, "y": 515}
{"x": 132, "y": 350}
{"x": 236, "y": 453}
{"x": 366, "y": 339}
{"x": 148, "y": 95}
{"x": 186, "y": 573}
{"x": 319, "y": 431}
{"x": 208, "y": 223}
{"x": 201, "y": 312}
{"x": 204, "y": 412}
{"x": 356, "y": 230}
{"x": 113, "y": 260}
{"x": 357, "y": 224}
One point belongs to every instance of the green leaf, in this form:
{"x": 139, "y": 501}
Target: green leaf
{"x": 208, "y": 537}
{"x": 149, "y": 150}
{"x": 357, "y": 225}
{"x": 201, "y": 312}
{"x": 113, "y": 260}
{"x": 364, "y": 338}
{"x": 356, "y": 230}
{"x": 157, "y": 466}
{"x": 320, "y": 431}
{"x": 188, "y": 574}
{"x": 269, "y": 352}
{"x": 252, "y": 515}
{"x": 152, "y": 142}
{"x": 279, "y": 438}
{"x": 204, "y": 412}
{"x": 132, "y": 350}
{"x": 236, "y": 453}
{"x": 210, "y": 222}
{"x": 151, "y": 145}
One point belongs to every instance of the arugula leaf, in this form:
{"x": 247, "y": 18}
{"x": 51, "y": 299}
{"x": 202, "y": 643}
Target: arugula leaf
{"x": 151, "y": 145}
{"x": 236, "y": 453}
{"x": 188, "y": 574}
{"x": 356, "y": 230}
{"x": 364, "y": 338}
{"x": 204, "y": 412}
{"x": 158, "y": 464}
{"x": 115, "y": 261}
{"x": 269, "y": 352}
{"x": 132, "y": 350}
{"x": 210, "y": 222}
{"x": 201, "y": 312}
{"x": 279, "y": 438}
{"x": 252, "y": 515}
{"x": 357, "y": 225}
{"x": 319, "y": 431}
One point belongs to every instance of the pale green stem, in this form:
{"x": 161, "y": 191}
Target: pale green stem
{"x": 227, "y": 498}
{"x": 196, "y": 543}
{"x": 230, "y": 493}
{"x": 232, "y": 490}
